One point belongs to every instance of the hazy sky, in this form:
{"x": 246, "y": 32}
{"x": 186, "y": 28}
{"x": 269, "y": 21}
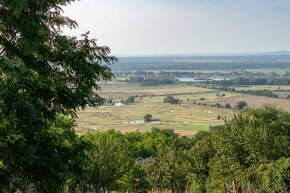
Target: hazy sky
{"x": 145, "y": 27}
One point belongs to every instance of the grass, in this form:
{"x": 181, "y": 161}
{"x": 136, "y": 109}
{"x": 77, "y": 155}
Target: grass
{"x": 119, "y": 92}
{"x": 186, "y": 118}
{"x": 264, "y": 87}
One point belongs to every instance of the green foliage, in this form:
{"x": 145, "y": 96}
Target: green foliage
{"x": 228, "y": 106}
{"x": 109, "y": 101}
{"x": 45, "y": 78}
{"x": 247, "y": 140}
{"x": 129, "y": 100}
{"x": 147, "y": 118}
{"x": 170, "y": 99}
{"x": 108, "y": 161}
{"x": 172, "y": 166}
{"x": 241, "y": 105}
{"x": 201, "y": 155}
{"x": 274, "y": 176}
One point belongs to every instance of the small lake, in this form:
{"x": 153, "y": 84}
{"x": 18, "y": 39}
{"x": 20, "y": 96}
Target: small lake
{"x": 142, "y": 122}
{"x": 216, "y": 78}
{"x": 137, "y": 122}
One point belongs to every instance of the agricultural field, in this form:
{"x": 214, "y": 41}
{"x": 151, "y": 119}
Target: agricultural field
{"x": 186, "y": 118}
{"x": 122, "y": 91}
{"x": 281, "y": 91}
{"x": 252, "y": 101}
{"x": 264, "y": 87}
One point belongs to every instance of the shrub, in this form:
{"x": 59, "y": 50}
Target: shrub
{"x": 147, "y": 118}
{"x": 241, "y": 105}
{"x": 228, "y": 106}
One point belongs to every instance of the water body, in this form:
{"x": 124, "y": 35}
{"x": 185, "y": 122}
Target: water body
{"x": 215, "y": 78}
{"x": 137, "y": 122}
{"x": 142, "y": 122}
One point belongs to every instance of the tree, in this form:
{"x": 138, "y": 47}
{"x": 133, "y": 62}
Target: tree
{"x": 228, "y": 106}
{"x": 249, "y": 139}
{"x": 171, "y": 167}
{"x": 109, "y": 101}
{"x": 109, "y": 160}
{"x": 129, "y": 100}
{"x": 147, "y": 118}
{"x": 170, "y": 99}
{"x": 274, "y": 176}
{"x": 241, "y": 105}
{"x": 201, "y": 154}
{"x": 45, "y": 77}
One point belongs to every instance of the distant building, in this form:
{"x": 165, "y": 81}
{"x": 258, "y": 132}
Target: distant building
{"x": 93, "y": 130}
{"x": 118, "y": 104}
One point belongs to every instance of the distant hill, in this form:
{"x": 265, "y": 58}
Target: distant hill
{"x": 279, "y": 53}
{"x": 266, "y": 60}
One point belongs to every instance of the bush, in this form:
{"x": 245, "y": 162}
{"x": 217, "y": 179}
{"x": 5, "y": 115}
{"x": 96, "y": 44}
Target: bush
{"x": 170, "y": 99}
{"x": 275, "y": 176}
{"x": 218, "y": 105}
{"x": 147, "y": 118}
{"x": 129, "y": 100}
{"x": 241, "y": 105}
{"x": 228, "y": 106}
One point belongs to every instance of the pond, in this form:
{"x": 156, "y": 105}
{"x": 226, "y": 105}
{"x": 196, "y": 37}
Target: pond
{"x": 137, "y": 122}
{"x": 142, "y": 122}
{"x": 216, "y": 78}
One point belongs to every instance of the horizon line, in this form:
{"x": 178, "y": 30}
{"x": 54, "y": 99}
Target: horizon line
{"x": 284, "y": 52}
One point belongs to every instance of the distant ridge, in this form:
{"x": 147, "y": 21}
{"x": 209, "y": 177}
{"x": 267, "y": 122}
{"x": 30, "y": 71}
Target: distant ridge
{"x": 278, "y": 53}
{"x": 274, "y": 53}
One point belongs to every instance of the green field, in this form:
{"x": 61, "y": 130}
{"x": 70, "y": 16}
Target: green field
{"x": 186, "y": 118}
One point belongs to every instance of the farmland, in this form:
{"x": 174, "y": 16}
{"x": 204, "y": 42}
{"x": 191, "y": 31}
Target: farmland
{"x": 121, "y": 91}
{"x": 186, "y": 118}
{"x": 252, "y": 101}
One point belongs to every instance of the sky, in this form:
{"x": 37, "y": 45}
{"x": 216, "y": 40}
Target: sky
{"x": 157, "y": 27}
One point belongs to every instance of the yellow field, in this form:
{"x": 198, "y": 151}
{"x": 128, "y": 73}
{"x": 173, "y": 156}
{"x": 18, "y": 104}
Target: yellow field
{"x": 131, "y": 90}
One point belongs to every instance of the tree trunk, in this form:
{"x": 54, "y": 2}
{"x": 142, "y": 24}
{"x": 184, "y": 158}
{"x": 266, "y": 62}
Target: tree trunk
{"x": 104, "y": 190}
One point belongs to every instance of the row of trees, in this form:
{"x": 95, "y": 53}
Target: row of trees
{"x": 240, "y": 105}
{"x": 254, "y": 80}
{"x": 180, "y": 63}
{"x": 151, "y": 81}
{"x": 265, "y": 92}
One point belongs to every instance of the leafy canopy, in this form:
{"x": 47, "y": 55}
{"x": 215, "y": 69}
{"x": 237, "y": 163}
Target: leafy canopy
{"x": 46, "y": 77}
